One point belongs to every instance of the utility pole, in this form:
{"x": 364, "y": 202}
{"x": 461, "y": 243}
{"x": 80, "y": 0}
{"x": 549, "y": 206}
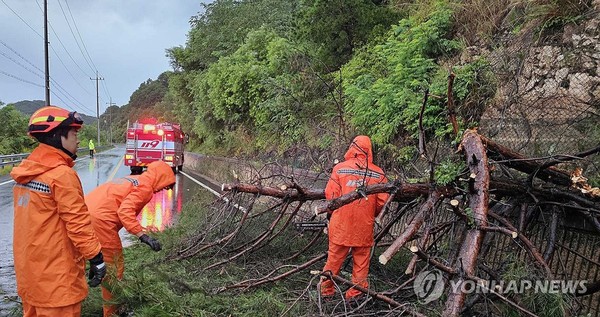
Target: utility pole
{"x": 97, "y": 79}
{"x": 46, "y": 43}
{"x": 110, "y": 104}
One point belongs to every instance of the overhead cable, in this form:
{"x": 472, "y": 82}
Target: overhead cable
{"x": 13, "y": 11}
{"x": 89, "y": 62}
{"x": 21, "y": 79}
{"x": 23, "y": 58}
{"x": 82, "y": 42}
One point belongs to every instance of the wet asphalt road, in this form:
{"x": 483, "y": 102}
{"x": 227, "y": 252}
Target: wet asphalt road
{"x": 162, "y": 211}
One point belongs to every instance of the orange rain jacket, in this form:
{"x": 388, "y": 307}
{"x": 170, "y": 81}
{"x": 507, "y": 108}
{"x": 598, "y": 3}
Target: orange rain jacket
{"x": 116, "y": 204}
{"x": 52, "y": 230}
{"x": 352, "y": 224}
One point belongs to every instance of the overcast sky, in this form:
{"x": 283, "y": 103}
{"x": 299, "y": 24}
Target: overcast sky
{"x": 125, "y": 39}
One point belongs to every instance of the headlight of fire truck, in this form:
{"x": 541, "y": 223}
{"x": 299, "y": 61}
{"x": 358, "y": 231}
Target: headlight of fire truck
{"x": 128, "y": 156}
{"x": 169, "y": 158}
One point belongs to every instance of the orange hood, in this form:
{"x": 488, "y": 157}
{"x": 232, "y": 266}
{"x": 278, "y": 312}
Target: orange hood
{"x": 159, "y": 174}
{"x": 41, "y": 160}
{"x": 360, "y": 148}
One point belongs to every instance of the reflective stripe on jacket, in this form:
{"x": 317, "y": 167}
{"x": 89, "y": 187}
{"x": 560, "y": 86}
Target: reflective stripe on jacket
{"x": 116, "y": 204}
{"x": 352, "y": 224}
{"x": 52, "y": 230}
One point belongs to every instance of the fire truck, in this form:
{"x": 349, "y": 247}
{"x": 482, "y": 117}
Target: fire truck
{"x": 148, "y": 141}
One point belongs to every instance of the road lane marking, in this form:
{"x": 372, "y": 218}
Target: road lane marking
{"x": 213, "y": 191}
{"x": 7, "y": 182}
{"x": 201, "y": 184}
{"x": 112, "y": 175}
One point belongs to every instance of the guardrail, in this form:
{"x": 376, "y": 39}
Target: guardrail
{"x": 14, "y": 159}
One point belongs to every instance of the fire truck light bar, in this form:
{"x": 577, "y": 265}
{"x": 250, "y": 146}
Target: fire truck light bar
{"x": 149, "y": 127}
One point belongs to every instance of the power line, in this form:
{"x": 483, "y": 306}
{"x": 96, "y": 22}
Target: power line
{"x": 23, "y": 58}
{"x": 63, "y": 46}
{"x": 20, "y": 79}
{"x": 106, "y": 91}
{"x": 68, "y": 71}
{"x": 60, "y": 89}
{"x": 36, "y": 32}
{"x": 63, "y": 101}
{"x": 72, "y": 33}
{"x": 23, "y": 66}
{"x": 67, "y": 94}
{"x": 56, "y": 84}
{"x": 77, "y": 29}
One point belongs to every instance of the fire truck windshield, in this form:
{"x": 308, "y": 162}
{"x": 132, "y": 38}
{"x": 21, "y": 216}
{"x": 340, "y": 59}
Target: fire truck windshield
{"x": 148, "y": 127}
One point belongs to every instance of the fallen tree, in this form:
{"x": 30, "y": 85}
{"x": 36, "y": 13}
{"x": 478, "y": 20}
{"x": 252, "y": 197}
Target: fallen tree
{"x": 469, "y": 215}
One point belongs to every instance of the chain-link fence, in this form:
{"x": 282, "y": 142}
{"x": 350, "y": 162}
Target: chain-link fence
{"x": 548, "y": 94}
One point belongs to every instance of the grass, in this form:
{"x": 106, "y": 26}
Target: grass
{"x": 154, "y": 286}
{"x": 5, "y": 170}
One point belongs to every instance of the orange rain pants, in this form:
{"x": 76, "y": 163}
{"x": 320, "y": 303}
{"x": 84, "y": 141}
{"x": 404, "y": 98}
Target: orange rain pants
{"x": 65, "y": 311}
{"x": 115, "y": 266}
{"x": 361, "y": 257}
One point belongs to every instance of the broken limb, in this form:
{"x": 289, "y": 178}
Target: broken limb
{"x": 519, "y": 162}
{"x": 389, "y": 225}
{"x": 423, "y": 242}
{"x": 451, "y": 271}
{"x": 318, "y": 235}
{"x": 477, "y": 161}
{"x": 532, "y": 250}
{"x": 226, "y": 238}
{"x": 267, "y": 279}
{"x": 370, "y": 292}
{"x": 291, "y": 194}
{"x": 257, "y": 241}
{"x": 412, "y": 228}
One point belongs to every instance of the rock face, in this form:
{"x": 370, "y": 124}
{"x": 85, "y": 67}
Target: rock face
{"x": 548, "y": 91}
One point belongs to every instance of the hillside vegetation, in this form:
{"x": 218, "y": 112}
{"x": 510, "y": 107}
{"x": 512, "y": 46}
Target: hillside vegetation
{"x": 269, "y": 77}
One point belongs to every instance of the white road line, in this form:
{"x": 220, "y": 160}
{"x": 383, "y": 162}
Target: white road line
{"x": 7, "y": 182}
{"x": 201, "y": 184}
{"x": 214, "y": 192}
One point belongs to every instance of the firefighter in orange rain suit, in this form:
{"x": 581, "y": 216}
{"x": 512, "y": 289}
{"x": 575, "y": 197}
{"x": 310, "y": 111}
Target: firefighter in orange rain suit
{"x": 115, "y": 205}
{"x": 53, "y": 234}
{"x": 351, "y": 226}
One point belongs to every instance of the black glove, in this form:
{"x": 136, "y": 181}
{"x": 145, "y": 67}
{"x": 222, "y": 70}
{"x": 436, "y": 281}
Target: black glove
{"x": 97, "y": 270}
{"x": 153, "y": 243}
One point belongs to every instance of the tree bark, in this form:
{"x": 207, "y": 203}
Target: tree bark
{"x": 412, "y": 228}
{"x": 478, "y": 202}
{"x": 519, "y": 162}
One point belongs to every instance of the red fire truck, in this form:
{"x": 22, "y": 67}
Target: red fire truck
{"x": 148, "y": 141}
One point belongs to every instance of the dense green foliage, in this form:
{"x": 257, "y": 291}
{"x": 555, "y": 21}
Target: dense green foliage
{"x": 385, "y": 84}
{"x": 13, "y": 131}
{"x": 334, "y": 28}
{"x": 150, "y": 93}
{"x": 223, "y": 27}
{"x": 261, "y": 76}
